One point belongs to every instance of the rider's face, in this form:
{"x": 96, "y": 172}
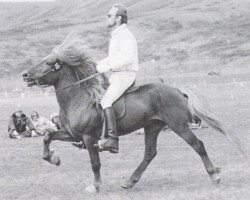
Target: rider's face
{"x": 111, "y": 18}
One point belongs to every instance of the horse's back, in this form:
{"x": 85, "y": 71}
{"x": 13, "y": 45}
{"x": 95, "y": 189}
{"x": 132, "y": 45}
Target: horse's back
{"x": 156, "y": 89}
{"x": 154, "y": 101}
{"x": 163, "y": 95}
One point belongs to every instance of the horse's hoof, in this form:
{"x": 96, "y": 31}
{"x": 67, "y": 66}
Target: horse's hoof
{"x": 127, "y": 185}
{"x": 48, "y": 155}
{"x": 58, "y": 162}
{"x": 91, "y": 189}
{"x": 55, "y": 160}
{"x": 215, "y": 178}
{"x": 45, "y": 158}
{"x": 216, "y": 182}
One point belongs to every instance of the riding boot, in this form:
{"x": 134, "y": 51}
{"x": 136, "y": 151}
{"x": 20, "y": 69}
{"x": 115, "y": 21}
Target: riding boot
{"x": 111, "y": 143}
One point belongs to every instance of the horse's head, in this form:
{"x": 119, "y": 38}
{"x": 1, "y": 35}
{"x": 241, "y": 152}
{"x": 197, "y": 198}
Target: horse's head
{"x": 45, "y": 73}
{"x": 68, "y": 57}
{"x": 68, "y": 63}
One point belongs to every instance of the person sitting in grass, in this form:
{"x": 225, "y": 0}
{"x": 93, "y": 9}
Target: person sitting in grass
{"x": 55, "y": 119}
{"x": 42, "y": 125}
{"x": 20, "y": 125}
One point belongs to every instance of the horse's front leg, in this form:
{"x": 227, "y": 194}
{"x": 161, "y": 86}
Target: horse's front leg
{"x": 49, "y": 155}
{"x": 95, "y": 163}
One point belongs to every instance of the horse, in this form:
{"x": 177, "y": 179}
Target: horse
{"x": 151, "y": 106}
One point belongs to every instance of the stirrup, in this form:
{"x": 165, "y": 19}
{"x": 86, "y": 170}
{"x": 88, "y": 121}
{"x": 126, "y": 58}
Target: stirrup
{"x": 99, "y": 143}
{"x": 101, "y": 149}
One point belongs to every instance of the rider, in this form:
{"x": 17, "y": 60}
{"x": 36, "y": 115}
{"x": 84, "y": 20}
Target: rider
{"x": 122, "y": 62}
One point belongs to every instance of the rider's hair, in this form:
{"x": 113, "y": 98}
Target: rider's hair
{"x": 122, "y": 11}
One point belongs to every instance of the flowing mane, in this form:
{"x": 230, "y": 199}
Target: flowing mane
{"x": 77, "y": 56}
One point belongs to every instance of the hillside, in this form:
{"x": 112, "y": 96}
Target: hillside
{"x": 175, "y": 37}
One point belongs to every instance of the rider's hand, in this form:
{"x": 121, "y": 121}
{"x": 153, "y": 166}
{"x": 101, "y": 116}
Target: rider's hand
{"x": 102, "y": 68}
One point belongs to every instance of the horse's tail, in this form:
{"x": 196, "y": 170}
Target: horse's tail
{"x": 199, "y": 106}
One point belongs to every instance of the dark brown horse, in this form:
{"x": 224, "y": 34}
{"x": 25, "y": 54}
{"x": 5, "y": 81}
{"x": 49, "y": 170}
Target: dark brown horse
{"x": 152, "y": 106}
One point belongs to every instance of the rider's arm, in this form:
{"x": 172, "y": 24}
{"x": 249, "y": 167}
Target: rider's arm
{"x": 104, "y": 61}
{"x": 103, "y": 65}
{"x": 126, "y": 56}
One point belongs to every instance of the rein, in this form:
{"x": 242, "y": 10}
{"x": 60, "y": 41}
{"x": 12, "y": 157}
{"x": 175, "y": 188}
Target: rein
{"x": 78, "y": 82}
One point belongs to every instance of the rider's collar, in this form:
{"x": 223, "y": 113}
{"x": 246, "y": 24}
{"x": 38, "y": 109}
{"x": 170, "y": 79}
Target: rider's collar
{"x": 118, "y": 29}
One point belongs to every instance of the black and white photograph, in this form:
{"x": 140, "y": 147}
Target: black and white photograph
{"x": 124, "y": 99}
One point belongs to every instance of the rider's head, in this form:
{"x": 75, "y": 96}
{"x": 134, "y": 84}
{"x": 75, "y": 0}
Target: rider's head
{"x": 117, "y": 16}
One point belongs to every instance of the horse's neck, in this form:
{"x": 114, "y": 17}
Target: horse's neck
{"x": 72, "y": 95}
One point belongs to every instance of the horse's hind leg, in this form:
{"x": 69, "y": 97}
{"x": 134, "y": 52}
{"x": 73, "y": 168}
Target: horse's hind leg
{"x": 183, "y": 130}
{"x": 48, "y": 138}
{"x": 151, "y": 135}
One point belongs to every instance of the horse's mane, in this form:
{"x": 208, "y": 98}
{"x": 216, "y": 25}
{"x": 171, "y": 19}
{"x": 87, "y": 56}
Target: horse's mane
{"x": 78, "y": 57}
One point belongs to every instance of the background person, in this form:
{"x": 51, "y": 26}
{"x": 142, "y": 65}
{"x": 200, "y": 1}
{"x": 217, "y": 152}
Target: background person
{"x": 55, "y": 119}
{"x": 42, "y": 125}
{"x": 20, "y": 125}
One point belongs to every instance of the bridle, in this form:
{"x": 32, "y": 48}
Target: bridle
{"x": 57, "y": 67}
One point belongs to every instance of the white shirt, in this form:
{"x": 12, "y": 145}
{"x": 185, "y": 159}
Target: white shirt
{"x": 123, "y": 52}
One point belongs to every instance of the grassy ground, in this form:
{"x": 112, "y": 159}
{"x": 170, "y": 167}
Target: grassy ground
{"x": 176, "y": 173}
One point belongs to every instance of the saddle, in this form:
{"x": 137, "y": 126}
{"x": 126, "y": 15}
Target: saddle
{"x": 119, "y": 105}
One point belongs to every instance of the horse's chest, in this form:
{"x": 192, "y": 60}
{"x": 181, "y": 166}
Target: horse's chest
{"x": 82, "y": 122}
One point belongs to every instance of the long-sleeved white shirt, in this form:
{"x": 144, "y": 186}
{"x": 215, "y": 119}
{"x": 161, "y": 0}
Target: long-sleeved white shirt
{"x": 123, "y": 52}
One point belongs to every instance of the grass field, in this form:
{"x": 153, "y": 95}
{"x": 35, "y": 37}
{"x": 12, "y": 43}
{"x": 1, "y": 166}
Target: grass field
{"x": 176, "y": 172}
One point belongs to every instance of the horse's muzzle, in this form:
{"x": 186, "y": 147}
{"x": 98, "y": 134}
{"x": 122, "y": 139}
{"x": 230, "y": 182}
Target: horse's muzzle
{"x": 26, "y": 78}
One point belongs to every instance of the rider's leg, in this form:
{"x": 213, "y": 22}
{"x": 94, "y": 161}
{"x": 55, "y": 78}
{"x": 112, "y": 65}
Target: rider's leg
{"x": 111, "y": 143}
{"x": 118, "y": 85}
